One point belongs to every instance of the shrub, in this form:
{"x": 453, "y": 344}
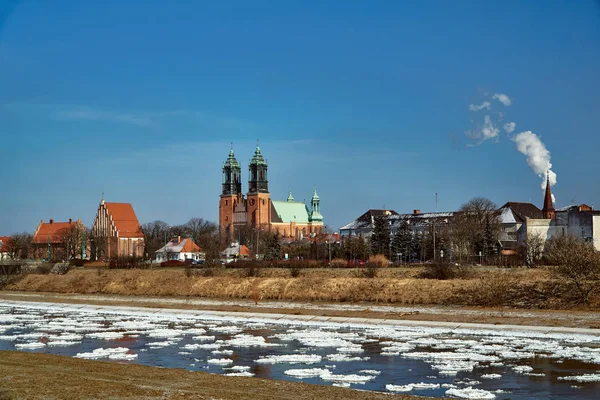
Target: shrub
{"x": 369, "y": 271}
{"x": 295, "y": 271}
{"x": 576, "y": 262}
{"x": 440, "y": 271}
{"x": 173, "y": 263}
{"x": 77, "y": 262}
{"x": 338, "y": 263}
{"x": 379, "y": 259}
{"x": 126, "y": 262}
{"x": 43, "y": 269}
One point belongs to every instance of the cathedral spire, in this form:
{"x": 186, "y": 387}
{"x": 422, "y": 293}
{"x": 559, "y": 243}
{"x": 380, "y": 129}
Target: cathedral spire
{"x": 258, "y": 182}
{"x": 232, "y": 175}
{"x": 548, "y": 209}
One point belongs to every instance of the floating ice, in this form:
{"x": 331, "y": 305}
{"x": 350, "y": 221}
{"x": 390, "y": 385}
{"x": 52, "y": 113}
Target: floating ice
{"x": 244, "y": 340}
{"x": 412, "y": 386}
{"x": 111, "y": 353}
{"x": 470, "y": 393}
{"x": 290, "y": 359}
{"x": 105, "y": 335}
{"x": 491, "y": 376}
{"x": 243, "y": 373}
{"x": 33, "y": 345}
{"x": 220, "y": 361}
{"x": 581, "y": 378}
{"x": 307, "y": 372}
{"x": 521, "y": 369}
{"x": 344, "y": 358}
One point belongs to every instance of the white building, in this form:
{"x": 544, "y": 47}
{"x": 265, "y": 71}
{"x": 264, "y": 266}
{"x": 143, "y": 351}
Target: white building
{"x": 180, "y": 249}
{"x": 4, "y": 255}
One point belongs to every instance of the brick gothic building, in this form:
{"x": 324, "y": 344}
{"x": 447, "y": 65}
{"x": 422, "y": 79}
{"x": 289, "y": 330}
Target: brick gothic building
{"x": 116, "y": 231}
{"x": 287, "y": 218}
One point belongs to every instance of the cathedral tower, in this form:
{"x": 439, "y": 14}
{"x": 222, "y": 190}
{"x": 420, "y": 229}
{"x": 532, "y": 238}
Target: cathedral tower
{"x": 231, "y": 192}
{"x": 258, "y": 199}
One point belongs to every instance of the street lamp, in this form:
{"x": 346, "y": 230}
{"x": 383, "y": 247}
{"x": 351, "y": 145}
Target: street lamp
{"x": 442, "y": 255}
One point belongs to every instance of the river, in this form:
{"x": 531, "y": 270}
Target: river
{"x": 462, "y": 363}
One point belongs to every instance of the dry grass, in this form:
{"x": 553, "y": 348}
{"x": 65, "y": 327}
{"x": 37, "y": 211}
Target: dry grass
{"x": 530, "y": 288}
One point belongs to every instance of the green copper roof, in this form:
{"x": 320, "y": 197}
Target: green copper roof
{"x": 315, "y": 195}
{"x": 291, "y": 211}
{"x": 258, "y": 158}
{"x": 290, "y": 198}
{"x": 231, "y": 160}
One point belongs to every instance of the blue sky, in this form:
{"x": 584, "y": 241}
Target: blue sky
{"x": 368, "y": 102}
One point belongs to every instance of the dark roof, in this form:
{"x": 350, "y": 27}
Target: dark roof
{"x": 366, "y": 220}
{"x": 522, "y": 211}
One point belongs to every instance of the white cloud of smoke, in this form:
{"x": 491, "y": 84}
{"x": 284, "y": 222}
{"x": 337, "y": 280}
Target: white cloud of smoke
{"x": 509, "y": 127}
{"x": 485, "y": 105}
{"x": 538, "y": 156}
{"x": 528, "y": 143}
{"x": 502, "y": 98}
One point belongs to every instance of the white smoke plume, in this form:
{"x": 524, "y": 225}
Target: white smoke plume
{"x": 484, "y": 132}
{"x": 502, "y": 98}
{"x": 538, "y": 156}
{"x": 509, "y": 127}
{"x": 485, "y": 105}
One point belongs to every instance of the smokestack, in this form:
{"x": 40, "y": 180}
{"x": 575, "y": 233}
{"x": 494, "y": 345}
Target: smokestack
{"x": 70, "y": 220}
{"x": 416, "y": 212}
{"x": 51, "y": 221}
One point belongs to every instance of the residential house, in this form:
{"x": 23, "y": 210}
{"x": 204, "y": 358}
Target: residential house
{"x": 180, "y": 249}
{"x": 236, "y": 252}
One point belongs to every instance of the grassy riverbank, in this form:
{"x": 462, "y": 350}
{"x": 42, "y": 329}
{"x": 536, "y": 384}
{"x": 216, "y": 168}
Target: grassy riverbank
{"x": 44, "y": 376}
{"x": 522, "y": 288}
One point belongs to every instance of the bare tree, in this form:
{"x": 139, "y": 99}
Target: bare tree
{"x": 155, "y": 235}
{"x": 576, "y": 262}
{"x": 476, "y": 227}
{"x": 19, "y": 245}
{"x": 72, "y": 239}
{"x": 98, "y": 245}
{"x": 531, "y": 251}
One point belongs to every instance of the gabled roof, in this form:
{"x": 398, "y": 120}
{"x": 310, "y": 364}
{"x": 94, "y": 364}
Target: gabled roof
{"x": 3, "y": 243}
{"x": 125, "y": 220}
{"x": 520, "y": 212}
{"x": 185, "y": 245}
{"x": 289, "y": 211}
{"x": 50, "y": 232}
{"x": 366, "y": 220}
{"x": 235, "y": 249}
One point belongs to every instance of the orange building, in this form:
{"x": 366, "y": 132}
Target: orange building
{"x": 51, "y": 239}
{"x": 287, "y": 218}
{"x": 116, "y": 232}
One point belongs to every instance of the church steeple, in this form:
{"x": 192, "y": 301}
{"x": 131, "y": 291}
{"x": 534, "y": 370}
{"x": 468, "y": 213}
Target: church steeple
{"x": 232, "y": 175}
{"x": 258, "y": 182}
{"x": 548, "y": 210}
{"x": 315, "y": 208}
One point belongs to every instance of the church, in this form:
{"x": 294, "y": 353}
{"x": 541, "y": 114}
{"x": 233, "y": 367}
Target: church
{"x": 288, "y": 218}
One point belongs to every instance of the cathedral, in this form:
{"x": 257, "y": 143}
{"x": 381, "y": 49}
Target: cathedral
{"x": 287, "y": 218}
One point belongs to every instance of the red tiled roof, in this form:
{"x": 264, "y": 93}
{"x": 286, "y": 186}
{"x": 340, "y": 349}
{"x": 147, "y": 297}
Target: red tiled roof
{"x": 125, "y": 220}
{"x": 51, "y": 231}
{"x": 190, "y": 247}
{"x": 3, "y": 241}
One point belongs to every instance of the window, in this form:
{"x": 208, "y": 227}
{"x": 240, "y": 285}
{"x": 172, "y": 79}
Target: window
{"x": 225, "y": 202}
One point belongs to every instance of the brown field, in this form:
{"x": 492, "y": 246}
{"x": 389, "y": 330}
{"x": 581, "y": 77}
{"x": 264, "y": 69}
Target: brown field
{"x": 44, "y": 376}
{"x": 522, "y": 288}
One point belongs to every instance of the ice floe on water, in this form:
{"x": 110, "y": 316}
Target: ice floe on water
{"x": 412, "y": 386}
{"x": 290, "y": 359}
{"x": 581, "y": 378}
{"x": 117, "y": 353}
{"x": 32, "y": 345}
{"x": 365, "y": 355}
{"x": 470, "y": 393}
{"x": 220, "y": 361}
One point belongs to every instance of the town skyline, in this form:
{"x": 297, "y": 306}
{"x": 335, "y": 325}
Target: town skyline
{"x": 373, "y": 107}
